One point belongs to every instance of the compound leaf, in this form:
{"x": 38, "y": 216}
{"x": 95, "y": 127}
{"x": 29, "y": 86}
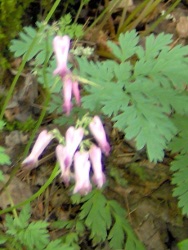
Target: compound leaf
{"x": 127, "y": 45}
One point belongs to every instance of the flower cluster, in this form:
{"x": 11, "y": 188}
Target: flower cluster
{"x": 82, "y": 160}
{"x": 67, "y": 152}
{"x": 70, "y": 86}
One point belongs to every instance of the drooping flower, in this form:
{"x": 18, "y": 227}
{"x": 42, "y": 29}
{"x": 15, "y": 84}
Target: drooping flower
{"x": 61, "y": 48}
{"x": 95, "y": 157}
{"x": 44, "y": 138}
{"x": 99, "y": 134}
{"x": 61, "y": 45}
{"x": 67, "y": 94}
{"x": 61, "y": 154}
{"x": 82, "y": 169}
{"x": 76, "y": 92}
{"x": 73, "y": 137}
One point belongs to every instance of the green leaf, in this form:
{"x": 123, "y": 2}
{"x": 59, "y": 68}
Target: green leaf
{"x": 3, "y": 239}
{"x": 148, "y": 126}
{"x": 68, "y": 28}
{"x": 180, "y": 142}
{"x": 80, "y": 227}
{"x": 127, "y": 45}
{"x": 180, "y": 180}
{"x": 92, "y": 211}
{"x": 121, "y": 233}
{"x": 25, "y": 215}
{"x": 116, "y": 235}
{"x": 183, "y": 245}
{"x": 2, "y": 124}
{"x": 154, "y": 44}
{"x": 4, "y": 158}
{"x": 35, "y": 235}
{"x": 141, "y": 95}
{"x": 58, "y": 245}
{"x": 42, "y": 50}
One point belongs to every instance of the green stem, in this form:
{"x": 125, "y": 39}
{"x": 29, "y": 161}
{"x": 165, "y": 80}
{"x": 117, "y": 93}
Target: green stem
{"x": 78, "y": 12}
{"x": 123, "y": 16}
{"x": 53, "y": 175}
{"x": 21, "y": 67}
{"x": 43, "y": 112}
{"x": 136, "y": 12}
{"x": 160, "y": 19}
{"x": 108, "y": 11}
{"x": 45, "y": 104}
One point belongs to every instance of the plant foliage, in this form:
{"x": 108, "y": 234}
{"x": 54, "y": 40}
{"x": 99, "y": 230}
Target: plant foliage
{"x": 4, "y": 158}
{"x": 43, "y": 50}
{"x": 102, "y": 221}
{"x": 20, "y": 233}
{"x": 106, "y": 219}
{"x": 141, "y": 89}
{"x": 180, "y": 165}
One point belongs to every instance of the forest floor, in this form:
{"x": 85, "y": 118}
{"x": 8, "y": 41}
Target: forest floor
{"x": 142, "y": 187}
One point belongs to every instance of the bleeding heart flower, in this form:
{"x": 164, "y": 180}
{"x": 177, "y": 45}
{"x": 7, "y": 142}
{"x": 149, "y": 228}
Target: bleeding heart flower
{"x": 82, "y": 169}
{"x": 99, "y": 134}
{"x": 61, "y": 49}
{"x": 67, "y": 94}
{"x": 73, "y": 137}
{"x": 61, "y": 46}
{"x": 44, "y": 138}
{"x": 61, "y": 154}
{"x": 95, "y": 157}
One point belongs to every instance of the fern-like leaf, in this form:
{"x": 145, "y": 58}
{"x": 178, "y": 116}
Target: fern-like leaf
{"x": 121, "y": 230}
{"x": 95, "y": 207}
{"x": 58, "y": 245}
{"x": 140, "y": 95}
{"x": 183, "y": 245}
{"x": 180, "y": 179}
{"x": 4, "y": 158}
{"x": 35, "y": 235}
{"x": 43, "y": 49}
{"x": 125, "y": 49}
{"x": 93, "y": 211}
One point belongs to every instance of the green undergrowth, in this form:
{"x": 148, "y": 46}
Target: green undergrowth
{"x": 98, "y": 220}
{"x": 143, "y": 92}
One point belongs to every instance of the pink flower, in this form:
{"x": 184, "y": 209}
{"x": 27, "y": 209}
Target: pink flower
{"x": 82, "y": 168}
{"x": 95, "y": 157}
{"x": 61, "y": 154}
{"x": 41, "y": 143}
{"x": 61, "y": 49}
{"x": 73, "y": 137}
{"x": 67, "y": 94}
{"x": 99, "y": 134}
{"x": 76, "y": 92}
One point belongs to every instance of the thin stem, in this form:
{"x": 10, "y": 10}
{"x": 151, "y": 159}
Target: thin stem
{"x": 79, "y": 10}
{"x": 131, "y": 17}
{"x": 156, "y": 23}
{"x": 53, "y": 175}
{"x": 108, "y": 11}
{"x": 22, "y": 65}
{"x": 43, "y": 112}
{"x": 123, "y": 16}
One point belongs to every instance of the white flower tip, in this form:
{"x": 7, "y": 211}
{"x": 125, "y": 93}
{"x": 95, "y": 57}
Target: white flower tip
{"x": 30, "y": 163}
{"x": 83, "y": 190}
{"x": 65, "y": 178}
{"x": 67, "y": 108}
{"x": 61, "y": 40}
{"x": 106, "y": 149}
{"x": 99, "y": 182}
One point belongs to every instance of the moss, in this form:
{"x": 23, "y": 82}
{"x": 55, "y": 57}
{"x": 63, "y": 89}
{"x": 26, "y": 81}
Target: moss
{"x": 11, "y": 13}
